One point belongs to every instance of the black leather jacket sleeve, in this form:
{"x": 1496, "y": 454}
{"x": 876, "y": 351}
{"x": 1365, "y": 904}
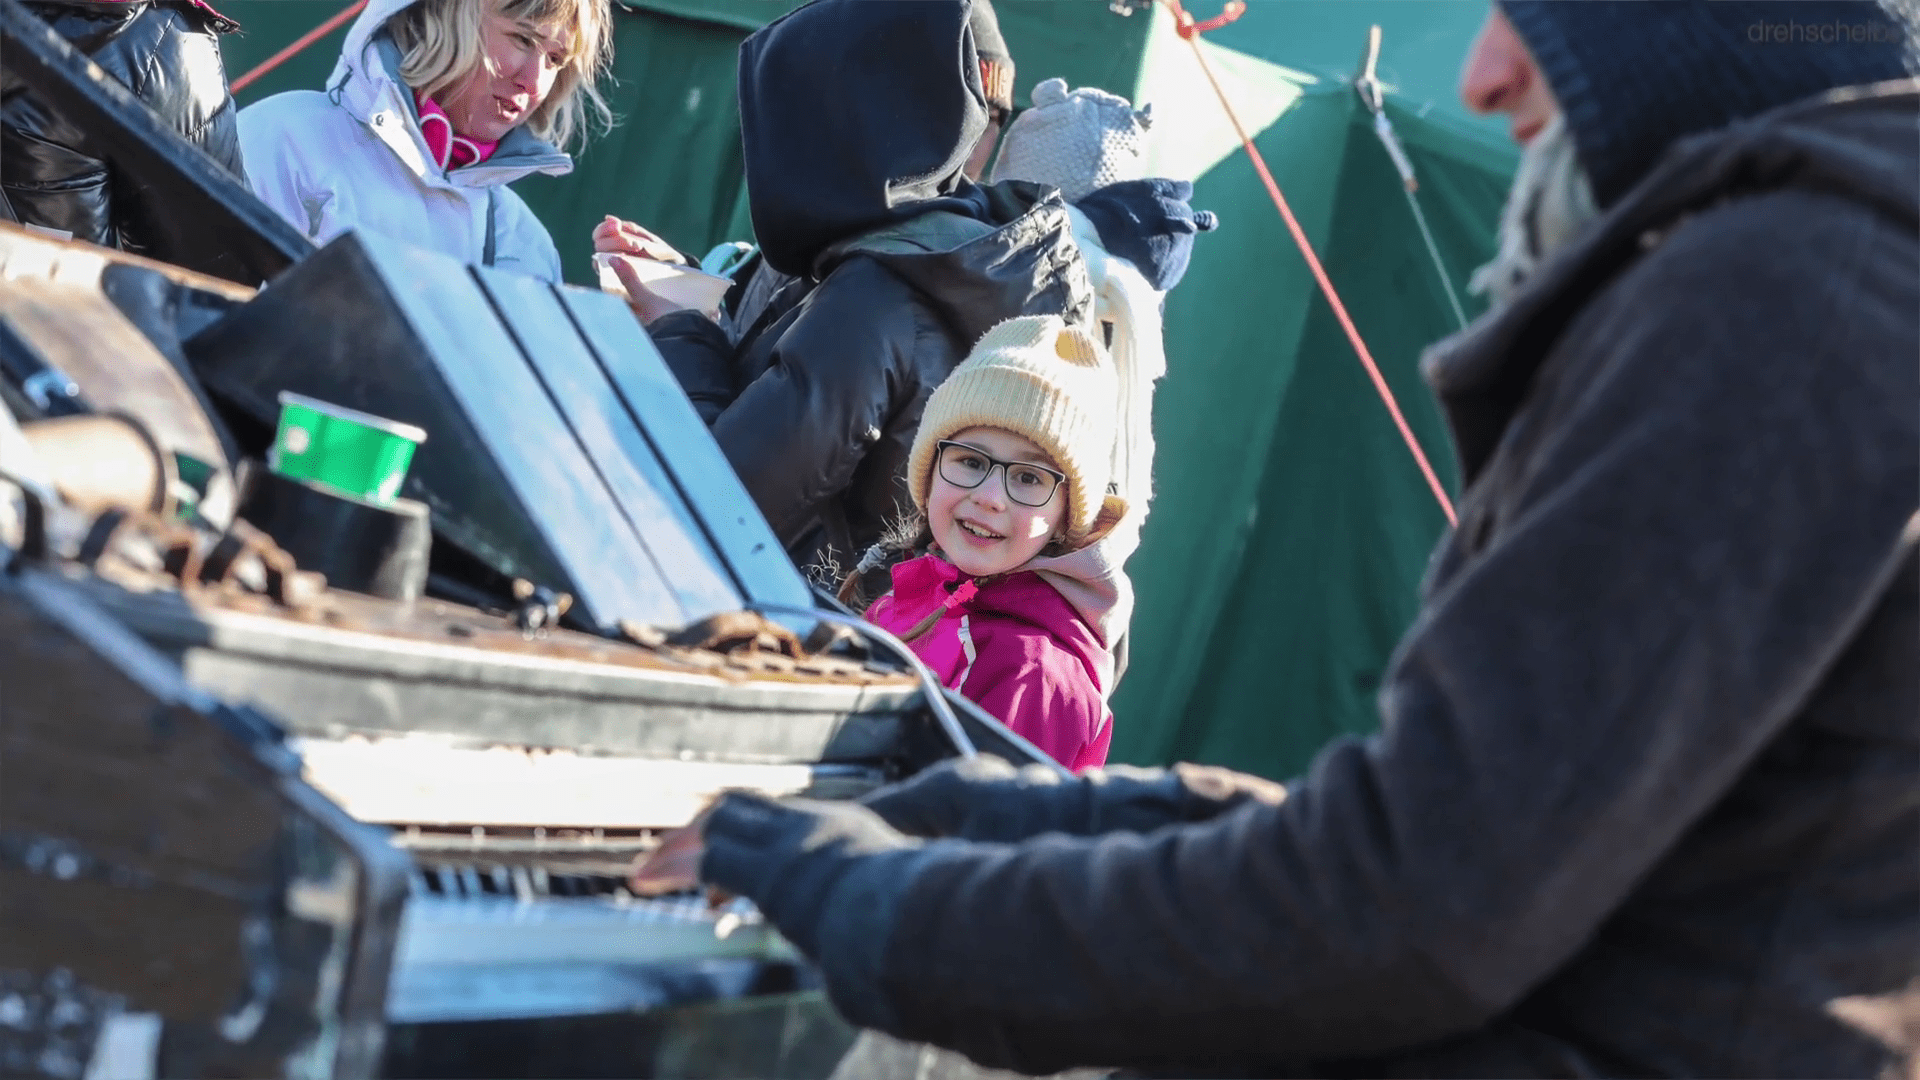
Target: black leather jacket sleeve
{"x": 55, "y": 176}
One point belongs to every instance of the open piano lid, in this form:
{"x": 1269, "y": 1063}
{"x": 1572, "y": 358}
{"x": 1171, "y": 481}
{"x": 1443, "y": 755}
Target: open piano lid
{"x": 559, "y": 447}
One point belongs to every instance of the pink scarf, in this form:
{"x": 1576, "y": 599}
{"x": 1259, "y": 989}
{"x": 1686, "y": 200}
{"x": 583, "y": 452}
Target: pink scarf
{"x": 450, "y": 150}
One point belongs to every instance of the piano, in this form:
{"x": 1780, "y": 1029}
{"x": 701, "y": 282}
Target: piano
{"x": 255, "y": 823}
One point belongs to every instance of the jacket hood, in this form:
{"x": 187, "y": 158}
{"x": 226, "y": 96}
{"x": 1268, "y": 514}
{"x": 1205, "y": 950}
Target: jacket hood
{"x": 1632, "y": 77}
{"x": 857, "y": 115}
{"x": 1015, "y": 256}
{"x": 366, "y": 82}
{"x": 1858, "y": 144}
{"x": 372, "y": 19}
{"x": 1094, "y": 583}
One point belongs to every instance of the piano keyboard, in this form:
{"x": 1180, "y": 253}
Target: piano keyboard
{"x": 488, "y": 943}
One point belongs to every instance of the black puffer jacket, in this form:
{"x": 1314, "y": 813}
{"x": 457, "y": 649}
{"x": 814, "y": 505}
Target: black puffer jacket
{"x": 51, "y": 172}
{"x": 817, "y": 407}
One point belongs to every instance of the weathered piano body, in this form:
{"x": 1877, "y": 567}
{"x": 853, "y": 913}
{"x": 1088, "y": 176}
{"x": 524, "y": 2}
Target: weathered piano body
{"x": 251, "y": 825}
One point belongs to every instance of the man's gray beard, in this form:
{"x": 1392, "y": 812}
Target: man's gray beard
{"x": 1550, "y": 204}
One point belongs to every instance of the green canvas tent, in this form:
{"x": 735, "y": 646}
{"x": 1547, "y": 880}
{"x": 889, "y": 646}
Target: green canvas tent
{"x": 1290, "y": 525}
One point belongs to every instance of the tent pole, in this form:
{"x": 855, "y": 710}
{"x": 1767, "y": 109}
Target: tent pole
{"x": 1366, "y": 83}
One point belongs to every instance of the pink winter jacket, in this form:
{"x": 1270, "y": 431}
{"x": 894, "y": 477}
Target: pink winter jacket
{"x": 1015, "y": 647}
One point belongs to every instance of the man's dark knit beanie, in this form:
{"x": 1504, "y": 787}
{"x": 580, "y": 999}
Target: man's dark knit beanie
{"x": 1632, "y": 76}
{"x": 996, "y": 63}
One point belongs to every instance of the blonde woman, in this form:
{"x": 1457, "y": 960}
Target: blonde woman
{"x": 434, "y": 108}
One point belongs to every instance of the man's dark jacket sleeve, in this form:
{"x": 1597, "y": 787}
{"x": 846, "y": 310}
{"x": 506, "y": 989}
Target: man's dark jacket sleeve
{"x": 1707, "y": 500}
{"x": 986, "y": 799}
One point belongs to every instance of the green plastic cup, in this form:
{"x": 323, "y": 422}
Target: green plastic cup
{"x": 347, "y": 450}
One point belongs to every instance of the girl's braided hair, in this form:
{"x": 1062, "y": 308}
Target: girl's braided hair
{"x": 907, "y": 537}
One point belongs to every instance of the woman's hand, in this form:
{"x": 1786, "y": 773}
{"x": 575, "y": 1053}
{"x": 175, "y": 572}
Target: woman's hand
{"x": 647, "y": 305}
{"x": 626, "y": 238}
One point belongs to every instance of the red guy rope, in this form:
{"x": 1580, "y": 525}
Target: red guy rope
{"x": 294, "y": 49}
{"x": 1191, "y": 31}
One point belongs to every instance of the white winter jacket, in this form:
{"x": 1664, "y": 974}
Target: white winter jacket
{"x": 353, "y": 157}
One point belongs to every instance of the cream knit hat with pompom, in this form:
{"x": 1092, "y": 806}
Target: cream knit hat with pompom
{"x": 1043, "y": 380}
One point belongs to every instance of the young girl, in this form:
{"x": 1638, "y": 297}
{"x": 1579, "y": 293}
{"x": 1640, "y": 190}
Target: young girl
{"x": 1011, "y": 463}
{"x": 434, "y": 108}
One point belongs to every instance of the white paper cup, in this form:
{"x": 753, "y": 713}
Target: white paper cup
{"x": 681, "y": 285}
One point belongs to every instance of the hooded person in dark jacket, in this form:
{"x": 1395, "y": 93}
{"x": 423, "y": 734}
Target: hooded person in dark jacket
{"x": 757, "y": 284}
{"x": 1646, "y": 798}
{"x": 858, "y": 117}
{"x": 52, "y": 173}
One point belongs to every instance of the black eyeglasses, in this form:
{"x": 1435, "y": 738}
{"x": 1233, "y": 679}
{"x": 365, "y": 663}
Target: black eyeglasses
{"x": 968, "y": 467}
